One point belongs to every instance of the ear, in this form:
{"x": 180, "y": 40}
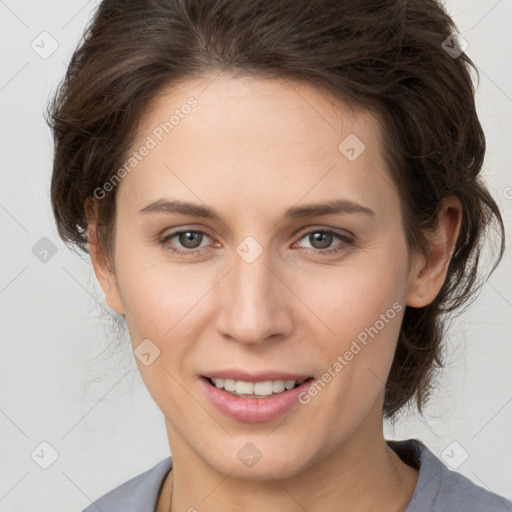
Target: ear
{"x": 103, "y": 268}
{"x": 428, "y": 274}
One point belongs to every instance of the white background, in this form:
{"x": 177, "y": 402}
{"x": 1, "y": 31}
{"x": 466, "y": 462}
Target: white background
{"x": 56, "y": 383}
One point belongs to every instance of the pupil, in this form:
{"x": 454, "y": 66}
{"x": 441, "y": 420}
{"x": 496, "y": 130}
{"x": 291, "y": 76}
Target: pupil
{"x": 190, "y": 239}
{"x": 325, "y": 239}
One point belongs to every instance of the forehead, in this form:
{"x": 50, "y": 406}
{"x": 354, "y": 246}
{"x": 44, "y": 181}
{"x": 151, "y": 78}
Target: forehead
{"x": 228, "y": 137}
{"x": 283, "y": 111}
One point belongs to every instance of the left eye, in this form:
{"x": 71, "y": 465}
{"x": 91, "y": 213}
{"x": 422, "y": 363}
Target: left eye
{"x": 321, "y": 240}
{"x": 191, "y": 240}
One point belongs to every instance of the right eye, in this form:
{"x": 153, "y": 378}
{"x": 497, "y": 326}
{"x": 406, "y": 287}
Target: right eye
{"x": 188, "y": 241}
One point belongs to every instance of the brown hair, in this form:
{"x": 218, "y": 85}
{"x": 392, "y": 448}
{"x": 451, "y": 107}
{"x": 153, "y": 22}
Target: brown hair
{"x": 389, "y": 56}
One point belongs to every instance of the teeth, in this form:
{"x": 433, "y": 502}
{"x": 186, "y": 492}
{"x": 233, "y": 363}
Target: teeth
{"x": 229, "y": 385}
{"x": 254, "y": 389}
{"x": 264, "y": 388}
{"x": 288, "y": 384}
{"x": 278, "y": 386}
{"x": 244, "y": 388}
{"x": 219, "y": 383}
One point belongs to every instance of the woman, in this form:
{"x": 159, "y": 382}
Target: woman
{"x": 282, "y": 198}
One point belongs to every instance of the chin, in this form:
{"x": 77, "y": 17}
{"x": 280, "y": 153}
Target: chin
{"x": 247, "y": 458}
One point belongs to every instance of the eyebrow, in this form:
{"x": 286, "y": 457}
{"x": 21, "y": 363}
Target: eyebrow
{"x": 333, "y": 207}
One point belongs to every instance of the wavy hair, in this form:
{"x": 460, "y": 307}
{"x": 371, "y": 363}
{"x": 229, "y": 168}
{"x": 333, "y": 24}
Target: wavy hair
{"x": 388, "y": 56}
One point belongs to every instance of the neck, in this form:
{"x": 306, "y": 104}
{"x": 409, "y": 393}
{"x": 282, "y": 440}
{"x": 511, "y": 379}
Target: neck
{"x": 360, "y": 476}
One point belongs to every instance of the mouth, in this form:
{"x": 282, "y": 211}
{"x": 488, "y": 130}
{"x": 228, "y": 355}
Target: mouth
{"x": 251, "y": 398}
{"x": 254, "y": 397}
{"x": 256, "y": 389}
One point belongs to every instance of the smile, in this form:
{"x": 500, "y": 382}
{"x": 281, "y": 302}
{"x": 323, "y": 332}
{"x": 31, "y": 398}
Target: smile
{"x": 254, "y": 401}
{"x": 254, "y": 389}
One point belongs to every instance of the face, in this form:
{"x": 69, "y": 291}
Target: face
{"x": 260, "y": 240}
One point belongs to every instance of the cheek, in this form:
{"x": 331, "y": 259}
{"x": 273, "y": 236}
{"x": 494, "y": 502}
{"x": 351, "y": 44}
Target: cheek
{"x": 360, "y": 308}
{"x": 157, "y": 297}
{"x": 162, "y": 303}
{"x": 351, "y": 300}
{"x": 341, "y": 302}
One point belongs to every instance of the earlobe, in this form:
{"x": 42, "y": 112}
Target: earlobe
{"x": 104, "y": 273}
{"x": 428, "y": 274}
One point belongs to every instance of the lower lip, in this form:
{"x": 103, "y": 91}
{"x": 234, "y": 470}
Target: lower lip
{"x": 254, "y": 410}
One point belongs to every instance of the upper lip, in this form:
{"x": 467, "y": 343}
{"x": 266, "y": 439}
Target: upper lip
{"x": 256, "y": 377}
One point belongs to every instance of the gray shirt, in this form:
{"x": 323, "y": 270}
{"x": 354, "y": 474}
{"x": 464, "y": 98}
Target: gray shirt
{"x": 438, "y": 489}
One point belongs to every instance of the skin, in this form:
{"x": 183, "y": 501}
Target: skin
{"x": 251, "y": 149}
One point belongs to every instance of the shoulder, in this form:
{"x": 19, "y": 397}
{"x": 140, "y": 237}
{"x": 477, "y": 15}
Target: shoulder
{"x": 139, "y": 494}
{"x": 440, "y": 489}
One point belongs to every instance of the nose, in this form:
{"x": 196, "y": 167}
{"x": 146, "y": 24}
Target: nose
{"x": 254, "y": 302}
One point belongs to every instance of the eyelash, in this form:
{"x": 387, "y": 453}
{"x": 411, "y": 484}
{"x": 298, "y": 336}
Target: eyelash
{"x": 193, "y": 252}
